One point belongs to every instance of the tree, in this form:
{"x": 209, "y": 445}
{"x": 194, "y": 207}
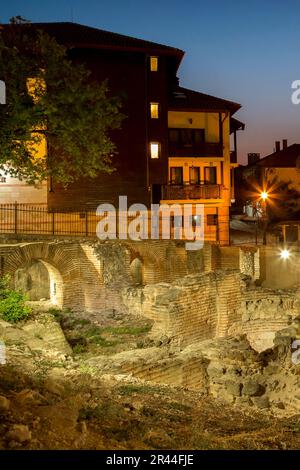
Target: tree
{"x": 63, "y": 104}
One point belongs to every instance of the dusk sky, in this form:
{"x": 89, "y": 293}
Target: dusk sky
{"x": 246, "y": 51}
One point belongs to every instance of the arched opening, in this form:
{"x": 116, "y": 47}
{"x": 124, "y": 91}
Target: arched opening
{"x": 136, "y": 271}
{"x": 41, "y": 281}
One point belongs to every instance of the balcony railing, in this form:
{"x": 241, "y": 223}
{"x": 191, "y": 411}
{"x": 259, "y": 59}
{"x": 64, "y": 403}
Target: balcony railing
{"x": 191, "y": 191}
{"x": 201, "y": 149}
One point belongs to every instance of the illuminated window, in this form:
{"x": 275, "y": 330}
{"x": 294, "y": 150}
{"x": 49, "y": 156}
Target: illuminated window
{"x": 155, "y": 149}
{"x": 153, "y": 64}
{"x": 210, "y": 175}
{"x": 154, "y": 108}
{"x": 194, "y": 175}
{"x": 176, "y": 175}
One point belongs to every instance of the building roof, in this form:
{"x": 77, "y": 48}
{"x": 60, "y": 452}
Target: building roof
{"x": 185, "y": 99}
{"x": 236, "y": 125}
{"x": 285, "y": 158}
{"x": 78, "y": 35}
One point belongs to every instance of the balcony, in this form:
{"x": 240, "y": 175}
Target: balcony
{"x": 191, "y": 191}
{"x": 201, "y": 149}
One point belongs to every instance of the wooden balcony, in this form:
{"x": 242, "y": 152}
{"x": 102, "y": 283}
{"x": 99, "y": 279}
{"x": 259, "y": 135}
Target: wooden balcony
{"x": 203, "y": 149}
{"x": 191, "y": 191}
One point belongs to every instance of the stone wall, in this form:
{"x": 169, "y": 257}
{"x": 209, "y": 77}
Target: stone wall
{"x": 90, "y": 275}
{"x": 264, "y": 312}
{"x": 191, "y": 309}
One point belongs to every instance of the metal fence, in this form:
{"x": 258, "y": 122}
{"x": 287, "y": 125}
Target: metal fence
{"x": 38, "y": 220}
{"x": 35, "y": 219}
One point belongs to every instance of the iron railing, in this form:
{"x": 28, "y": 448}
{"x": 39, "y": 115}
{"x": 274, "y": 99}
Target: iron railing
{"x": 24, "y": 219}
{"x": 191, "y": 191}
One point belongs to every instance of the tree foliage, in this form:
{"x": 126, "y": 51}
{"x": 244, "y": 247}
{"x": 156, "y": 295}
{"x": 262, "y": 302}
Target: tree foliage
{"x": 74, "y": 112}
{"x": 13, "y": 306}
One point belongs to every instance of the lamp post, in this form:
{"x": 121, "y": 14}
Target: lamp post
{"x": 264, "y": 197}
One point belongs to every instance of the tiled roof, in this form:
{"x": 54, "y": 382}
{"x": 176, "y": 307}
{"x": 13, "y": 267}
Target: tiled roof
{"x": 183, "y": 98}
{"x": 285, "y": 158}
{"x": 74, "y": 34}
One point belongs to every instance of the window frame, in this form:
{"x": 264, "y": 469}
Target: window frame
{"x": 152, "y": 144}
{"x": 173, "y": 181}
{"x": 209, "y": 181}
{"x": 188, "y": 130}
{"x": 212, "y": 220}
{"x": 153, "y": 63}
{"x": 192, "y": 168}
{"x": 152, "y": 103}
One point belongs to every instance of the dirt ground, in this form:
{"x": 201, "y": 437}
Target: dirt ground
{"x": 97, "y": 415}
{"x": 79, "y": 410}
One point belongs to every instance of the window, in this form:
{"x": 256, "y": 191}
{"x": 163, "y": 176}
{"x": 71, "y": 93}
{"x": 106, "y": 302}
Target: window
{"x": 174, "y": 136}
{"x": 212, "y": 219}
{"x": 210, "y": 175}
{"x": 199, "y": 136}
{"x": 176, "y": 175}
{"x": 186, "y": 137}
{"x": 154, "y": 64}
{"x": 194, "y": 175}
{"x": 154, "y": 110}
{"x": 2, "y": 179}
{"x": 195, "y": 221}
{"x": 154, "y": 149}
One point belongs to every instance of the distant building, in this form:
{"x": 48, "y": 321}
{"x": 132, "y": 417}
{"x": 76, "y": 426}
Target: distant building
{"x": 279, "y": 175}
{"x": 174, "y": 145}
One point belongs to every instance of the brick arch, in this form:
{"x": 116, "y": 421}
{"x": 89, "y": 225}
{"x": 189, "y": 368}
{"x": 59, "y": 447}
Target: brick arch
{"x": 70, "y": 286}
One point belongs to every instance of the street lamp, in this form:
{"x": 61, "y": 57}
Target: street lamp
{"x": 285, "y": 254}
{"x": 264, "y": 195}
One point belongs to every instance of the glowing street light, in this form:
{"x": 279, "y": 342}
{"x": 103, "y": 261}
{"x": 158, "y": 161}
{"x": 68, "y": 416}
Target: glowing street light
{"x": 264, "y": 195}
{"x": 285, "y": 254}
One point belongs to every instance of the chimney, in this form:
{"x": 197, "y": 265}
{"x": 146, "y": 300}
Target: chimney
{"x": 284, "y": 144}
{"x": 253, "y": 158}
{"x": 277, "y": 146}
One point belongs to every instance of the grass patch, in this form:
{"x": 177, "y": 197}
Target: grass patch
{"x": 179, "y": 406}
{"x": 99, "y": 341}
{"x": 93, "y": 331}
{"x": 81, "y": 321}
{"x": 130, "y": 389}
{"x": 127, "y": 330}
{"x": 79, "y": 349}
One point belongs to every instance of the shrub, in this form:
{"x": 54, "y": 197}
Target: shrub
{"x": 12, "y": 306}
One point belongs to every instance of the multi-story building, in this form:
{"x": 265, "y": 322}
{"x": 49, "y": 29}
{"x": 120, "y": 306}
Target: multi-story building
{"x": 278, "y": 176}
{"x": 174, "y": 145}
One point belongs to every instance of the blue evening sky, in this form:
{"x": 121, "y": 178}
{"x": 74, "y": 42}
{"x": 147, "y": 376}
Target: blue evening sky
{"x": 247, "y": 51}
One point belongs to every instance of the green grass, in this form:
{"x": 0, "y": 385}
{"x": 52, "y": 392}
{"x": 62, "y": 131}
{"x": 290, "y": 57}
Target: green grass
{"x": 127, "y": 330}
{"x": 99, "y": 341}
{"x": 179, "y": 406}
{"x": 93, "y": 331}
{"x": 130, "y": 389}
{"x": 79, "y": 349}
